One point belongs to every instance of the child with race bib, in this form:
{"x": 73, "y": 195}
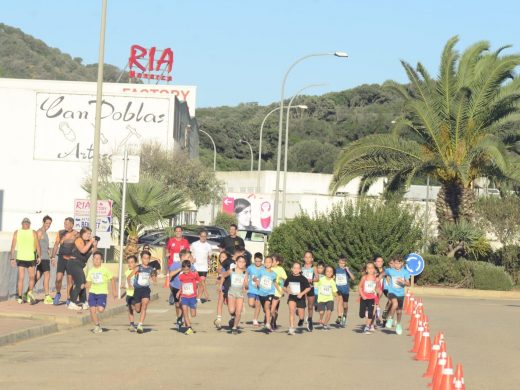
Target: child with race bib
{"x": 253, "y": 272}
{"x": 398, "y": 278}
{"x": 296, "y": 286}
{"x": 266, "y": 288}
{"x": 129, "y": 290}
{"x": 327, "y": 291}
{"x": 97, "y": 286}
{"x": 368, "y": 291}
{"x": 188, "y": 293}
{"x": 281, "y": 275}
{"x": 142, "y": 274}
{"x": 343, "y": 274}
{"x": 237, "y": 291}
{"x": 310, "y": 272}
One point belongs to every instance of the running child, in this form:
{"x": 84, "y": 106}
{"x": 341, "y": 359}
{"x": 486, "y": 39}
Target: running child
{"x": 189, "y": 279}
{"x": 310, "y": 272}
{"x": 266, "y": 288}
{"x": 142, "y": 274}
{"x": 327, "y": 291}
{"x": 129, "y": 290}
{"x": 237, "y": 291}
{"x": 253, "y": 272}
{"x": 368, "y": 291}
{"x": 175, "y": 270}
{"x": 223, "y": 283}
{"x": 97, "y": 286}
{"x": 398, "y": 278}
{"x": 343, "y": 274}
{"x": 380, "y": 271}
{"x": 384, "y": 286}
{"x": 281, "y": 275}
{"x": 296, "y": 286}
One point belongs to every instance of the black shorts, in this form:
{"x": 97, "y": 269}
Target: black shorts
{"x": 174, "y": 293}
{"x": 267, "y": 298}
{"x": 62, "y": 265}
{"x": 345, "y": 296}
{"x": 386, "y": 293}
{"x": 311, "y": 292}
{"x": 129, "y": 300}
{"x": 300, "y": 303}
{"x": 367, "y": 306}
{"x": 326, "y": 306}
{"x": 400, "y": 300}
{"x": 202, "y": 274}
{"x": 44, "y": 266}
{"x": 141, "y": 293}
{"x": 25, "y": 263}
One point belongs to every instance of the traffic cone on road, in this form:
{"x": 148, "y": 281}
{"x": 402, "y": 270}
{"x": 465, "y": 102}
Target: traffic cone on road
{"x": 425, "y": 347}
{"x": 441, "y": 365}
{"x": 418, "y": 317}
{"x": 441, "y": 357}
{"x": 418, "y": 338}
{"x": 411, "y": 305}
{"x": 434, "y": 355}
{"x": 458, "y": 380}
{"x": 406, "y": 302}
{"x": 167, "y": 281}
{"x": 447, "y": 376}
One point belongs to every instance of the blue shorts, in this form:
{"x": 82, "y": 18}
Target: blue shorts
{"x": 97, "y": 300}
{"x": 255, "y": 296}
{"x": 190, "y": 302}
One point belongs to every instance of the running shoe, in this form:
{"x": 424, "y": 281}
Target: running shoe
{"x": 291, "y": 332}
{"x": 366, "y": 330}
{"x": 389, "y": 323}
{"x": 218, "y": 323}
{"x": 310, "y": 326}
{"x": 131, "y": 328}
{"x": 234, "y": 331}
{"x": 67, "y": 302}
{"x": 139, "y": 329}
{"x": 199, "y": 300}
{"x": 47, "y": 300}
{"x": 338, "y": 321}
{"x": 19, "y": 300}
{"x": 188, "y": 331}
{"x": 268, "y": 328}
{"x": 399, "y": 329}
{"x": 30, "y": 298}
{"x": 231, "y": 322}
{"x": 85, "y": 306}
{"x": 179, "y": 321}
{"x": 56, "y": 300}
{"x": 97, "y": 329}
{"x": 326, "y": 327}
{"x": 255, "y": 323}
{"x": 300, "y": 322}
{"x": 372, "y": 328}
{"x": 344, "y": 321}
{"x": 24, "y": 297}
{"x": 73, "y": 306}
{"x": 171, "y": 299}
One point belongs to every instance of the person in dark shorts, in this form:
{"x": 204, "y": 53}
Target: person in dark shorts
{"x": 129, "y": 290}
{"x": 296, "y": 286}
{"x": 343, "y": 275}
{"x": 97, "y": 285}
{"x": 65, "y": 242}
{"x": 368, "y": 290}
{"x": 398, "y": 278}
{"x": 175, "y": 270}
{"x": 43, "y": 270}
{"x": 223, "y": 283}
{"x": 311, "y": 273}
{"x": 142, "y": 275}
{"x": 266, "y": 289}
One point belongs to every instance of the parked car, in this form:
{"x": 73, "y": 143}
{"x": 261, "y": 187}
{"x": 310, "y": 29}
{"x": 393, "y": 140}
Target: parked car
{"x": 215, "y": 233}
{"x": 255, "y": 240}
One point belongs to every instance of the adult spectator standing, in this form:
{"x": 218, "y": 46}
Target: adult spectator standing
{"x": 201, "y": 251}
{"x": 65, "y": 242}
{"x": 175, "y": 245}
{"x": 233, "y": 240}
{"x": 25, "y": 243}
{"x": 44, "y": 268}
{"x": 83, "y": 248}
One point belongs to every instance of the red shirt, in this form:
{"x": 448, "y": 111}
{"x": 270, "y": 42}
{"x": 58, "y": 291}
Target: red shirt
{"x": 189, "y": 284}
{"x": 174, "y": 246}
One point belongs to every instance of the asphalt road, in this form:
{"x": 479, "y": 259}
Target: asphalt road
{"x": 480, "y": 333}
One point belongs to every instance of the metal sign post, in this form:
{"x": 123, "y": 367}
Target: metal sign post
{"x": 122, "y": 228}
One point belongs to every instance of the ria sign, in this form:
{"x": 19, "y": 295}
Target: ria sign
{"x": 143, "y": 64}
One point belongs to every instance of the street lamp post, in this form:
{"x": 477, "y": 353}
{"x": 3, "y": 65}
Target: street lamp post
{"x": 260, "y": 144}
{"x": 214, "y": 170}
{"x": 286, "y": 151}
{"x": 280, "y": 128}
{"x": 250, "y": 149}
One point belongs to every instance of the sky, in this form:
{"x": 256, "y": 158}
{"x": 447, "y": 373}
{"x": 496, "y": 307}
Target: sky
{"x": 238, "y": 51}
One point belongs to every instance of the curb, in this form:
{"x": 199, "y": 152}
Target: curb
{"x": 466, "y": 293}
{"x": 56, "y": 323}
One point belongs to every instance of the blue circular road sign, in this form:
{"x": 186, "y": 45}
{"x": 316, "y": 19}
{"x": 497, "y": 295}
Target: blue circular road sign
{"x": 414, "y": 264}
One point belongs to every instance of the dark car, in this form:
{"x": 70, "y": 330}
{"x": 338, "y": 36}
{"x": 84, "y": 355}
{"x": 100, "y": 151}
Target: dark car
{"x": 190, "y": 232}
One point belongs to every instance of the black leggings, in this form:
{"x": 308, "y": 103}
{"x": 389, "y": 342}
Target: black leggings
{"x": 367, "y": 305}
{"x": 75, "y": 269}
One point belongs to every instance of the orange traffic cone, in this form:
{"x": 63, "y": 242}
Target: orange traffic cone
{"x": 425, "y": 347}
{"x": 447, "y": 376}
{"x": 410, "y": 307}
{"x": 167, "y": 281}
{"x": 434, "y": 355}
{"x": 406, "y": 302}
{"x": 418, "y": 317}
{"x": 439, "y": 366}
{"x": 418, "y": 338}
{"x": 458, "y": 380}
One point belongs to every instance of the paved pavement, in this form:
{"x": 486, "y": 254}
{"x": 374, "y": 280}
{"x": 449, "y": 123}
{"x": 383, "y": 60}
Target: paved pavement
{"x": 479, "y": 333}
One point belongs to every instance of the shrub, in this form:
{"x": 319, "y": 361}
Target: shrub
{"x": 440, "y": 270}
{"x": 224, "y": 220}
{"x": 358, "y": 230}
{"x": 487, "y": 276}
{"x": 509, "y": 258}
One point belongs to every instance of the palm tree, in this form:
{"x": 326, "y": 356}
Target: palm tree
{"x": 454, "y": 128}
{"x": 148, "y": 203}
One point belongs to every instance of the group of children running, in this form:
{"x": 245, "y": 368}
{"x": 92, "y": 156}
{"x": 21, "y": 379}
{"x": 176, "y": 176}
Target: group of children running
{"x": 309, "y": 287}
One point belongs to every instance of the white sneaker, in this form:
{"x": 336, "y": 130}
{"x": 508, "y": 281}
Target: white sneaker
{"x": 291, "y": 331}
{"x": 73, "y": 306}
{"x": 85, "y": 306}
{"x": 198, "y": 300}
{"x": 255, "y": 323}
{"x": 97, "y": 329}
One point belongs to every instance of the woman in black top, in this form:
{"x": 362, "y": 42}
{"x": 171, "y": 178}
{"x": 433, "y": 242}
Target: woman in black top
{"x": 84, "y": 245}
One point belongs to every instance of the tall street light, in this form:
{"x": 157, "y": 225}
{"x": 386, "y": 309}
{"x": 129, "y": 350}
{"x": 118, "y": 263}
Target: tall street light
{"x": 250, "y": 149}
{"x": 214, "y": 150}
{"x": 340, "y": 54}
{"x": 97, "y": 125}
{"x": 286, "y": 151}
{"x": 260, "y": 143}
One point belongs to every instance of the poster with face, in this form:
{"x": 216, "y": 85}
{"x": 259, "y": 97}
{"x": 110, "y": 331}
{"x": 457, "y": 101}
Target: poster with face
{"x": 253, "y": 212}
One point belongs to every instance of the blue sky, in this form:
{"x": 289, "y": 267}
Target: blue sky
{"x": 238, "y": 51}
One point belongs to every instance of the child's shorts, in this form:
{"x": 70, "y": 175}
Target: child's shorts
{"x": 190, "y": 302}
{"x": 326, "y": 306}
{"x": 97, "y": 300}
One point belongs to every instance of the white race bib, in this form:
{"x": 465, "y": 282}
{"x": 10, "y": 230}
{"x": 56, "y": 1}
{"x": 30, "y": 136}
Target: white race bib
{"x": 266, "y": 283}
{"x": 341, "y": 279}
{"x": 187, "y": 289}
{"x": 237, "y": 280}
{"x": 294, "y": 288}
{"x": 395, "y": 282}
{"x": 370, "y": 286}
{"x": 176, "y": 257}
{"x": 308, "y": 273}
{"x": 143, "y": 279}
{"x": 97, "y": 278}
{"x": 326, "y": 290}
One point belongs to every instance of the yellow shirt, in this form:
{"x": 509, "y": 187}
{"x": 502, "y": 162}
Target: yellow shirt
{"x": 281, "y": 275}
{"x": 327, "y": 289}
{"x": 129, "y": 287}
{"x": 99, "y": 278}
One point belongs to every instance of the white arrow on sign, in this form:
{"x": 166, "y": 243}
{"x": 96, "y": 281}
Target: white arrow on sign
{"x": 227, "y": 201}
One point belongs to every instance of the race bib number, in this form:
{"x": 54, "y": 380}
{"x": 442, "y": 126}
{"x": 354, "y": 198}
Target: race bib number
{"x": 176, "y": 257}
{"x": 370, "y": 286}
{"x": 187, "y": 289}
{"x": 97, "y": 278}
{"x": 143, "y": 279}
{"x": 266, "y": 283}
{"x": 326, "y": 290}
{"x": 237, "y": 280}
{"x": 294, "y": 288}
{"x": 396, "y": 283}
{"x": 308, "y": 273}
{"x": 341, "y": 279}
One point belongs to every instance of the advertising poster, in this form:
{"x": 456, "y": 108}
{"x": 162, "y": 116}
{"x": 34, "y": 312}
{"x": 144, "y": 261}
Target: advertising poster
{"x": 253, "y": 212}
